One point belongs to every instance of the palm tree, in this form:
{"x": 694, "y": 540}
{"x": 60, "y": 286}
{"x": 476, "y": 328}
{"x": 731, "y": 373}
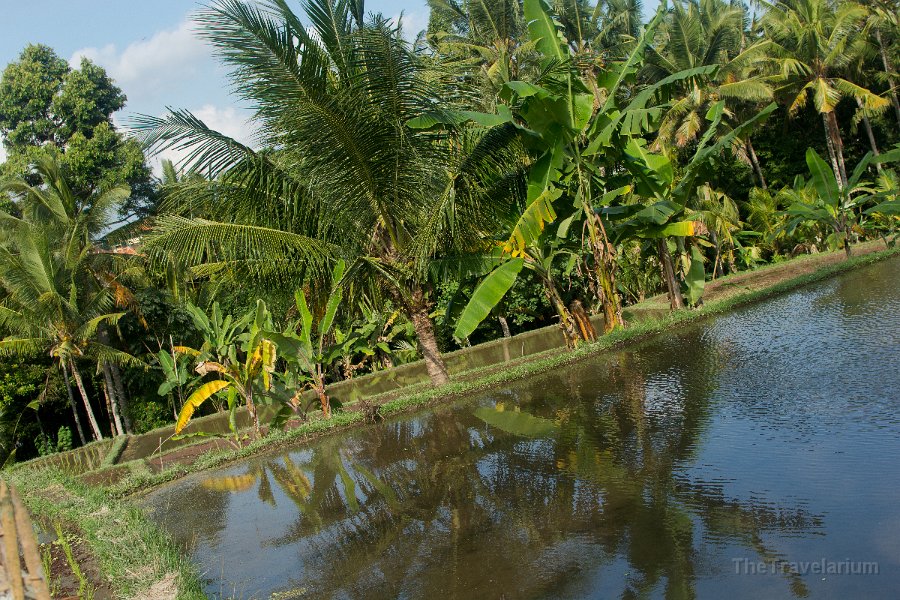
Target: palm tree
{"x": 617, "y": 25}
{"x": 708, "y": 33}
{"x": 483, "y": 39}
{"x": 57, "y": 293}
{"x": 883, "y": 20}
{"x": 342, "y": 173}
{"x": 720, "y": 214}
{"x": 812, "y": 43}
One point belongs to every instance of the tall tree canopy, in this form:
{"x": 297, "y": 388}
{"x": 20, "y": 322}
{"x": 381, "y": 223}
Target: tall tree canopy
{"x": 49, "y": 110}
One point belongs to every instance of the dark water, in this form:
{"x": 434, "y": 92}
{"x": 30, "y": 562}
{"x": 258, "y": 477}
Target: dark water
{"x": 737, "y": 458}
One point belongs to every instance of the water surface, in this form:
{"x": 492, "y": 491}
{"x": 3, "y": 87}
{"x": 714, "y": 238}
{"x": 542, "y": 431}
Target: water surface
{"x": 735, "y": 458}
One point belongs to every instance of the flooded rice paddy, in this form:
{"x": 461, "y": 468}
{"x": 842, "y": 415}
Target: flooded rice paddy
{"x": 754, "y": 455}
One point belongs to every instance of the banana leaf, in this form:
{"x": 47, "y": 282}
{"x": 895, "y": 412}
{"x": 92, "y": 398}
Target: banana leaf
{"x": 487, "y": 295}
{"x": 516, "y": 422}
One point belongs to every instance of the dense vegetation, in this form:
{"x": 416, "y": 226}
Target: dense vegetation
{"x": 519, "y": 164}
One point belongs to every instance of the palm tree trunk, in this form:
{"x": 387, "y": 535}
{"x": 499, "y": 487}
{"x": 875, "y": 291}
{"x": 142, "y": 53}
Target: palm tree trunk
{"x": 123, "y": 398}
{"x": 109, "y": 409}
{"x": 835, "y": 147}
{"x": 72, "y": 404}
{"x": 434, "y": 362}
{"x": 116, "y": 390}
{"x": 113, "y": 399}
{"x": 888, "y": 69}
{"x": 98, "y": 435}
{"x": 676, "y": 301}
{"x": 754, "y": 160}
{"x": 869, "y": 134}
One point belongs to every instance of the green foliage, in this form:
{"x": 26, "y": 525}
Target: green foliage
{"x": 638, "y": 272}
{"x": 380, "y": 338}
{"x": 51, "y": 111}
{"x": 824, "y": 200}
{"x": 695, "y": 278}
{"x": 487, "y": 295}
{"x": 310, "y": 345}
{"x": 46, "y": 445}
{"x": 60, "y": 295}
{"x": 517, "y": 158}
{"x": 174, "y": 370}
{"x": 239, "y": 353}
{"x": 30, "y": 389}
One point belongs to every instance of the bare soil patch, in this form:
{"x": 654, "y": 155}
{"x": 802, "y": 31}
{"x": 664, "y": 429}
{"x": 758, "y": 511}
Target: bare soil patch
{"x": 65, "y": 582}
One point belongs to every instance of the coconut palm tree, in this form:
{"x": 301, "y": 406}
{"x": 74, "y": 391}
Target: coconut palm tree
{"x": 485, "y": 40}
{"x": 812, "y": 43}
{"x": 58, "y": 290}
{"x": 618, "y": 25}
{"x": 342, "y": 173}
{"x": 709, "y": 33}
{"x": 883, "y": 20}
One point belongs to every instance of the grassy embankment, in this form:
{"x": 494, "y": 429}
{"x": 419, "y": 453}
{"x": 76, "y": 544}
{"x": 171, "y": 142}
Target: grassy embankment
{"x": 114, "y": 550}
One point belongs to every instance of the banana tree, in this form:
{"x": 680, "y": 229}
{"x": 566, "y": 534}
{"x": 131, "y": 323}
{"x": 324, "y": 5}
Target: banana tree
{"x": 311, "y": 347}
{"x": 243, "y": 366}
{"x": 553, "y": 119}
{"x": 656, "y": 223}
{"x": 655, "y": 181}
{"x": 177, "y": 376}
{"x": 579, "y": 124}
{"x": 539, "y": 256}
{"x": 220, "y": 332}
{"x": 835, "y": 205}
{"x": 885, "y": 215}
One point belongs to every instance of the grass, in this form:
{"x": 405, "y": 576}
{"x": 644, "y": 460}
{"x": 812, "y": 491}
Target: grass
{"x": 140, "y": 481}
{"x": 115, "y": 451}
{"x": 131, "y": 551}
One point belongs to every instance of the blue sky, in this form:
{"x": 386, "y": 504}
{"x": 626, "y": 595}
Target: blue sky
{"x": 150, "y": 49}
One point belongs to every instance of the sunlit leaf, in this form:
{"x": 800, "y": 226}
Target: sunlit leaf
{"x": 487, "y": 295}
{"x": 200, "y": 396}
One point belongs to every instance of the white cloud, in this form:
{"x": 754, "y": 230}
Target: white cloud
{"x": 2, "y": 152}
{"x": 412, "y": 22}
{"x": 227, "y": 120}
{"x": 145, "y": 67}
{"x": 173, "y": 67}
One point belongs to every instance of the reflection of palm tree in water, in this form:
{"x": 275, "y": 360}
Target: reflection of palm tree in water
{"x": 652, "y": 508}
{"x": 459, "y": 509}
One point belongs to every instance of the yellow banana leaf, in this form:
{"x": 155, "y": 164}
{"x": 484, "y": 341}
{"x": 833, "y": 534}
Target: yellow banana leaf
{"x": 196, "y": 399}
{"x": 186, "y": 350}
{"x": 232, "y": 483}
